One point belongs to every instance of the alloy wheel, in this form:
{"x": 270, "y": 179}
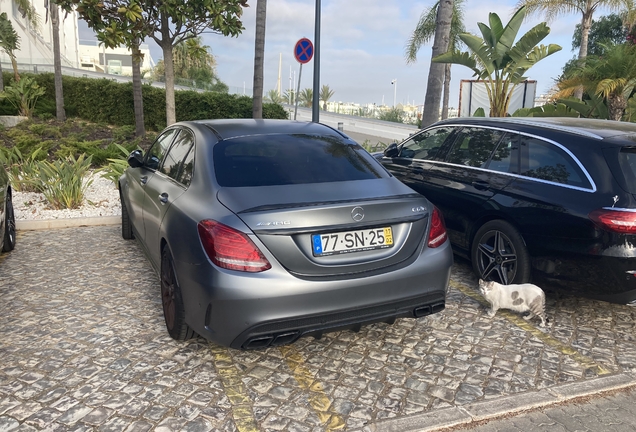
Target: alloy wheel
{"x": 168, "y": 291}
{"x": 496, "y": 257}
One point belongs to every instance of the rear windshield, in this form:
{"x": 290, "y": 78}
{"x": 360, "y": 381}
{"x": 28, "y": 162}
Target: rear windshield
{"x": 627, "y": 160}
{"x": 278, "y": 159}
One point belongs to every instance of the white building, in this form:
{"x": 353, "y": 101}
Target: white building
{"x": 36, "y": 46}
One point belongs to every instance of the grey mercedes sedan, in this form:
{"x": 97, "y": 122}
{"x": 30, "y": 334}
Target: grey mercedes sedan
{"x": 264, "y": 231}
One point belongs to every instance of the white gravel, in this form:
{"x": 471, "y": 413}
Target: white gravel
{"x": 101, "y": 199}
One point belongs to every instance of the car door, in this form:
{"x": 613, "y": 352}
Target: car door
{"x": 138, "y": 178}
{"x": 415, "y": 154}
{"x": 461, "y": 185}
{"x": 551, "y": 197}
{"x": 165, "y": 186}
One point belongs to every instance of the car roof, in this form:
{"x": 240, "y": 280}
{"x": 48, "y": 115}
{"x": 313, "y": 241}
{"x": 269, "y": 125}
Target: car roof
{"x": 232, "y": 128}
{"x": 594, "y": 128}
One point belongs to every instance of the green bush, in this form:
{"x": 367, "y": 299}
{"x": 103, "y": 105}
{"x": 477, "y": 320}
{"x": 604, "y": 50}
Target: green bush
{"x": 24, "y": 172}
{"x": 116, "y": 165}
{"x": 62, "y": 181}
{"x": 106, "y": 101}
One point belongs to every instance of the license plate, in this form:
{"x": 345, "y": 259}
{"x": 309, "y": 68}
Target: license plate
{"x": 352, "y": 241}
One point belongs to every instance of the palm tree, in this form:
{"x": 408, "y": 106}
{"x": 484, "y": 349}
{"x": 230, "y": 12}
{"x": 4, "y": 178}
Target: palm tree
{"x": 553, "y": 8}
{"x": 306, "y": 97}
{"x": 497, "y": 59}
{"x": 612, "y": 76}
{"x": 437, "y": 71}
{"x": 57, "y": 61}
{"x": 259, "y": 53}
{"x": 272, "y": 96}
{"x": 423, "y": 33}
{"x": 325, "y": 94}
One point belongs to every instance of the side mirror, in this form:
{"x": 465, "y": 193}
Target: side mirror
{"x": 136, "y": 159}
{"x": 391, "y": 151}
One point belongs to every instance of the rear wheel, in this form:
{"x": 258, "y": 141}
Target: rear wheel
{"x": 9, "y": 239}
{"x": 172, "y": 300}
{"x": 126, "y": 225}
{"x": 500, "y": 254}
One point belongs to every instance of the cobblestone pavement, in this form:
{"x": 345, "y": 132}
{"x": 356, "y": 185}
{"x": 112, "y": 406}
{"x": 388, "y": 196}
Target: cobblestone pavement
{"x": 84, "y": 347}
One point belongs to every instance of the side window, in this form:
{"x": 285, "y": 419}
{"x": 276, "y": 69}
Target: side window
{"x": 188, "y": 168}
{"x": 506, "y": 156}
{"x": 158, "y": 149}
{"x": 542, "y": 160}
{"x": 425, "y": 145}
{"x": 172, "y": 162}
{"x": 473, "y": 146}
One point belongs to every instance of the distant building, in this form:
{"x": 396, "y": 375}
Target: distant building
{"x": 36, "y": 45}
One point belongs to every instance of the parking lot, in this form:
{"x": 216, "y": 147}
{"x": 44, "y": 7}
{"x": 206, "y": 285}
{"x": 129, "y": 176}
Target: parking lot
{"x": 84, "y": 347}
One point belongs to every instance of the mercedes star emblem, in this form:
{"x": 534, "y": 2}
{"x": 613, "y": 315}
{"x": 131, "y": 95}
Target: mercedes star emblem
{"x": 357, "y": 214}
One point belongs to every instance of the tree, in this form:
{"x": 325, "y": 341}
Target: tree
{"x": 423, "y": 33}
{"x": 554, "y": 8}
{"x": 57, "y": 61}
{"x": 325, "y": 94}
{"x": 306, "y": 97}
{"x": 9, "y": 43}
{"x": 272, "y": 96}
{"x": 612, "y": 76}
{"x": 497, "y": 59}
{"x": 168, "y": 22}
{"x": 607, "y": 30}
{"x": 193, "y": 66}
{"x": 436, "y": 72}
{"x": 259, "y": 54}
{"x": 116, "y": 23}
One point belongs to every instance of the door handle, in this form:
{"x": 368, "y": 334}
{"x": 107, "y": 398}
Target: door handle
{"x": 163, "y": 198}
{"x": 481, "y": 185}
{"x": 418, "y": 170}
{"x": 143, "y": 179}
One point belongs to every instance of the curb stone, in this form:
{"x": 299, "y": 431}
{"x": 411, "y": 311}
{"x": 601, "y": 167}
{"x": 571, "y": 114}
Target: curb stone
{"x": 44, "y": 224}
{"x": 496, "y": 408}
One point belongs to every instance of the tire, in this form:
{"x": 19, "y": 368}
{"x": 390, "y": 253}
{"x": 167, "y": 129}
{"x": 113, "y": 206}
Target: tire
{"x": 9, "y": 236}
{"x": 126, "y": 225}
{"x": 507, "y": 263}
{"x": 172, "y": 300}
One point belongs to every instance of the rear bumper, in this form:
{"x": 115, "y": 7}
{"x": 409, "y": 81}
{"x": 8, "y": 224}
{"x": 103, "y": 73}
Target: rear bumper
{"x": 273, "y": 307}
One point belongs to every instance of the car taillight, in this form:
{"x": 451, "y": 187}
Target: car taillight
{"x": 437, "y": 235}
{"x": 231, "y": 249}
{"x": 623, "y": 222}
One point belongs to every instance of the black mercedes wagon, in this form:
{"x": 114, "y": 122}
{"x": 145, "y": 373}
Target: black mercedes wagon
{"x": 549, "y": 199}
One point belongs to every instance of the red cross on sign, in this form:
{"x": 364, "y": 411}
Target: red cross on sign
{"x": 304, "y": 50}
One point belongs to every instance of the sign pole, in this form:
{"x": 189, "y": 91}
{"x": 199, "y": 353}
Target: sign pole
{"x": 315, "y": 112}
{"x": 303, "y": 52}
{"x": 300, "y": 72}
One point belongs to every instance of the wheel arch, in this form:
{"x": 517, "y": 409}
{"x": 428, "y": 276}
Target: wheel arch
{"x": 489, "y": 217}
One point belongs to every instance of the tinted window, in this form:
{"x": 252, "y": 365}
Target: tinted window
{"x": 425, "y": 145}
{"x": 506, "y": 156}
{"x": 627, "y": 161}
{"x": 540, "y": 159}
{"x": 279, "y": 159}
{"x": 159, "y": 148}
{"x": 172, "y": 162}
{"x": 188, "y": 168}
{"x": 473, "y": 146}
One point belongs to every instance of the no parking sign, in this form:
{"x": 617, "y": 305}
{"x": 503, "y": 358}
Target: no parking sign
{"x": 304, "y": 50}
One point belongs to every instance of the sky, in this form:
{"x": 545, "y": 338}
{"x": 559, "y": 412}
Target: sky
{"x": 362, "y": 48}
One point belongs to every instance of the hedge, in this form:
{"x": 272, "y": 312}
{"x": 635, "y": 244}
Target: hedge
{"x": 110, "y": 102}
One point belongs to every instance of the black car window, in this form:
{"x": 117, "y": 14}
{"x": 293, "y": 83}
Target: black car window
{"x": 426, "y": 144}
{"x": 473, "y": 146}
{"x": 281, "y": 159}
{"x": 158, "y": 149}
{"x": 543, "y": 160}
{"x": 188, "y": 168}
{"x": 172, "y": 161}
{"x": 506, "y": 157}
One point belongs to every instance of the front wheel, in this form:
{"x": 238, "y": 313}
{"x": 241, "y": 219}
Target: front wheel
{"x": 172, "y": 300}
{"x": 500, "y": 254}
{"x": 9, "y": 239}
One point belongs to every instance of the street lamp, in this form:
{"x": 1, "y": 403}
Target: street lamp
{"x": 394, "y": 82}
